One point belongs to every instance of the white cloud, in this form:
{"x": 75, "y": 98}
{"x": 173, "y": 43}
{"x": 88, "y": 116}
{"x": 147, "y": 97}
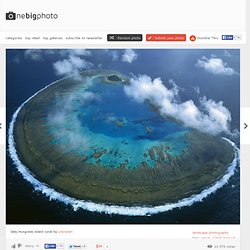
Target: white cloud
{"x": 41, "y": 54}
{"x": 175, "y": 88}
{"x": 71, "y": 66}
{"x": 74, "y": 52}
{"x": 196, "y": 89}
{"x": 114, "y": 54}
{"x": 210, "y": 117}
{"x": 129, "y": 56}
{"x": 66, "y": 61}
{"x": 33, "y": 54}
{"x": 227, "y": 53}
{"x": 215, "y": 66}
{"x": 68, "y": 126}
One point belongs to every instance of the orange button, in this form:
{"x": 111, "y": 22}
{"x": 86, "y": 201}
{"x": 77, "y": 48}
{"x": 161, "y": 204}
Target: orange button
{"x": 166, "y": 37}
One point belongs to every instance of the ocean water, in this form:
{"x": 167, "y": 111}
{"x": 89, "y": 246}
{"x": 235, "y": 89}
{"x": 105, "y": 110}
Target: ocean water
{"x": 115, "y": 106}
{"x": 25, "y": 79}
{"x": 112, "y": 122}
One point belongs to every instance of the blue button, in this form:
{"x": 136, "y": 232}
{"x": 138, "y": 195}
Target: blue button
{"x": 227, "y": 37}
{"x": 49, "y": 246}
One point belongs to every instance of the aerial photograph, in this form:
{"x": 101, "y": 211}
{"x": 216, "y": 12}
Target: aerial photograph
{"x": 123, "y": 136}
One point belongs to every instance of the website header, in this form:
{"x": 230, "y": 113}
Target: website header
{"x": 96, "y": 15}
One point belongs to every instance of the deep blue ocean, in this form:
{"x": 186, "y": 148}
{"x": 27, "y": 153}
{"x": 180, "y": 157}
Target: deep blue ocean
{"x": 26, "y": 76}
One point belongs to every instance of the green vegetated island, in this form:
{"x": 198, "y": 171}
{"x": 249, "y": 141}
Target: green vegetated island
{"x": 84, "y": 138}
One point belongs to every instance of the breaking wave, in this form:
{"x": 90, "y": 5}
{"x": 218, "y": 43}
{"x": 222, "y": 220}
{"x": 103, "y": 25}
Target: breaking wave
{"x": 76, "y": 204}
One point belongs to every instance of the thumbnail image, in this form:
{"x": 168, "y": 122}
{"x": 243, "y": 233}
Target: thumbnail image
{"x": 123, "y": 136}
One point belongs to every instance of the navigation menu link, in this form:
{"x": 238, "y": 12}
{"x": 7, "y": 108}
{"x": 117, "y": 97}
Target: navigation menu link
{"x": 124, "y": 37}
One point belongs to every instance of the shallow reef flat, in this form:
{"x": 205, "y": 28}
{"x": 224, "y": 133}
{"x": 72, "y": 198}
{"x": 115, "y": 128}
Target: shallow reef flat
{"x": 87, "y": 139}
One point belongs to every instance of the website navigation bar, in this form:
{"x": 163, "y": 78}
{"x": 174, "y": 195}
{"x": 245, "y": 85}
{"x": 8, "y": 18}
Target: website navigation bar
{"x": 112, "y": 38}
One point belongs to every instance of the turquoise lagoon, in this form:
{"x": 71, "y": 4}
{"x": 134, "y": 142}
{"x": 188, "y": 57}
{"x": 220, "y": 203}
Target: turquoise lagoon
{"x": 117, "y": 130}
